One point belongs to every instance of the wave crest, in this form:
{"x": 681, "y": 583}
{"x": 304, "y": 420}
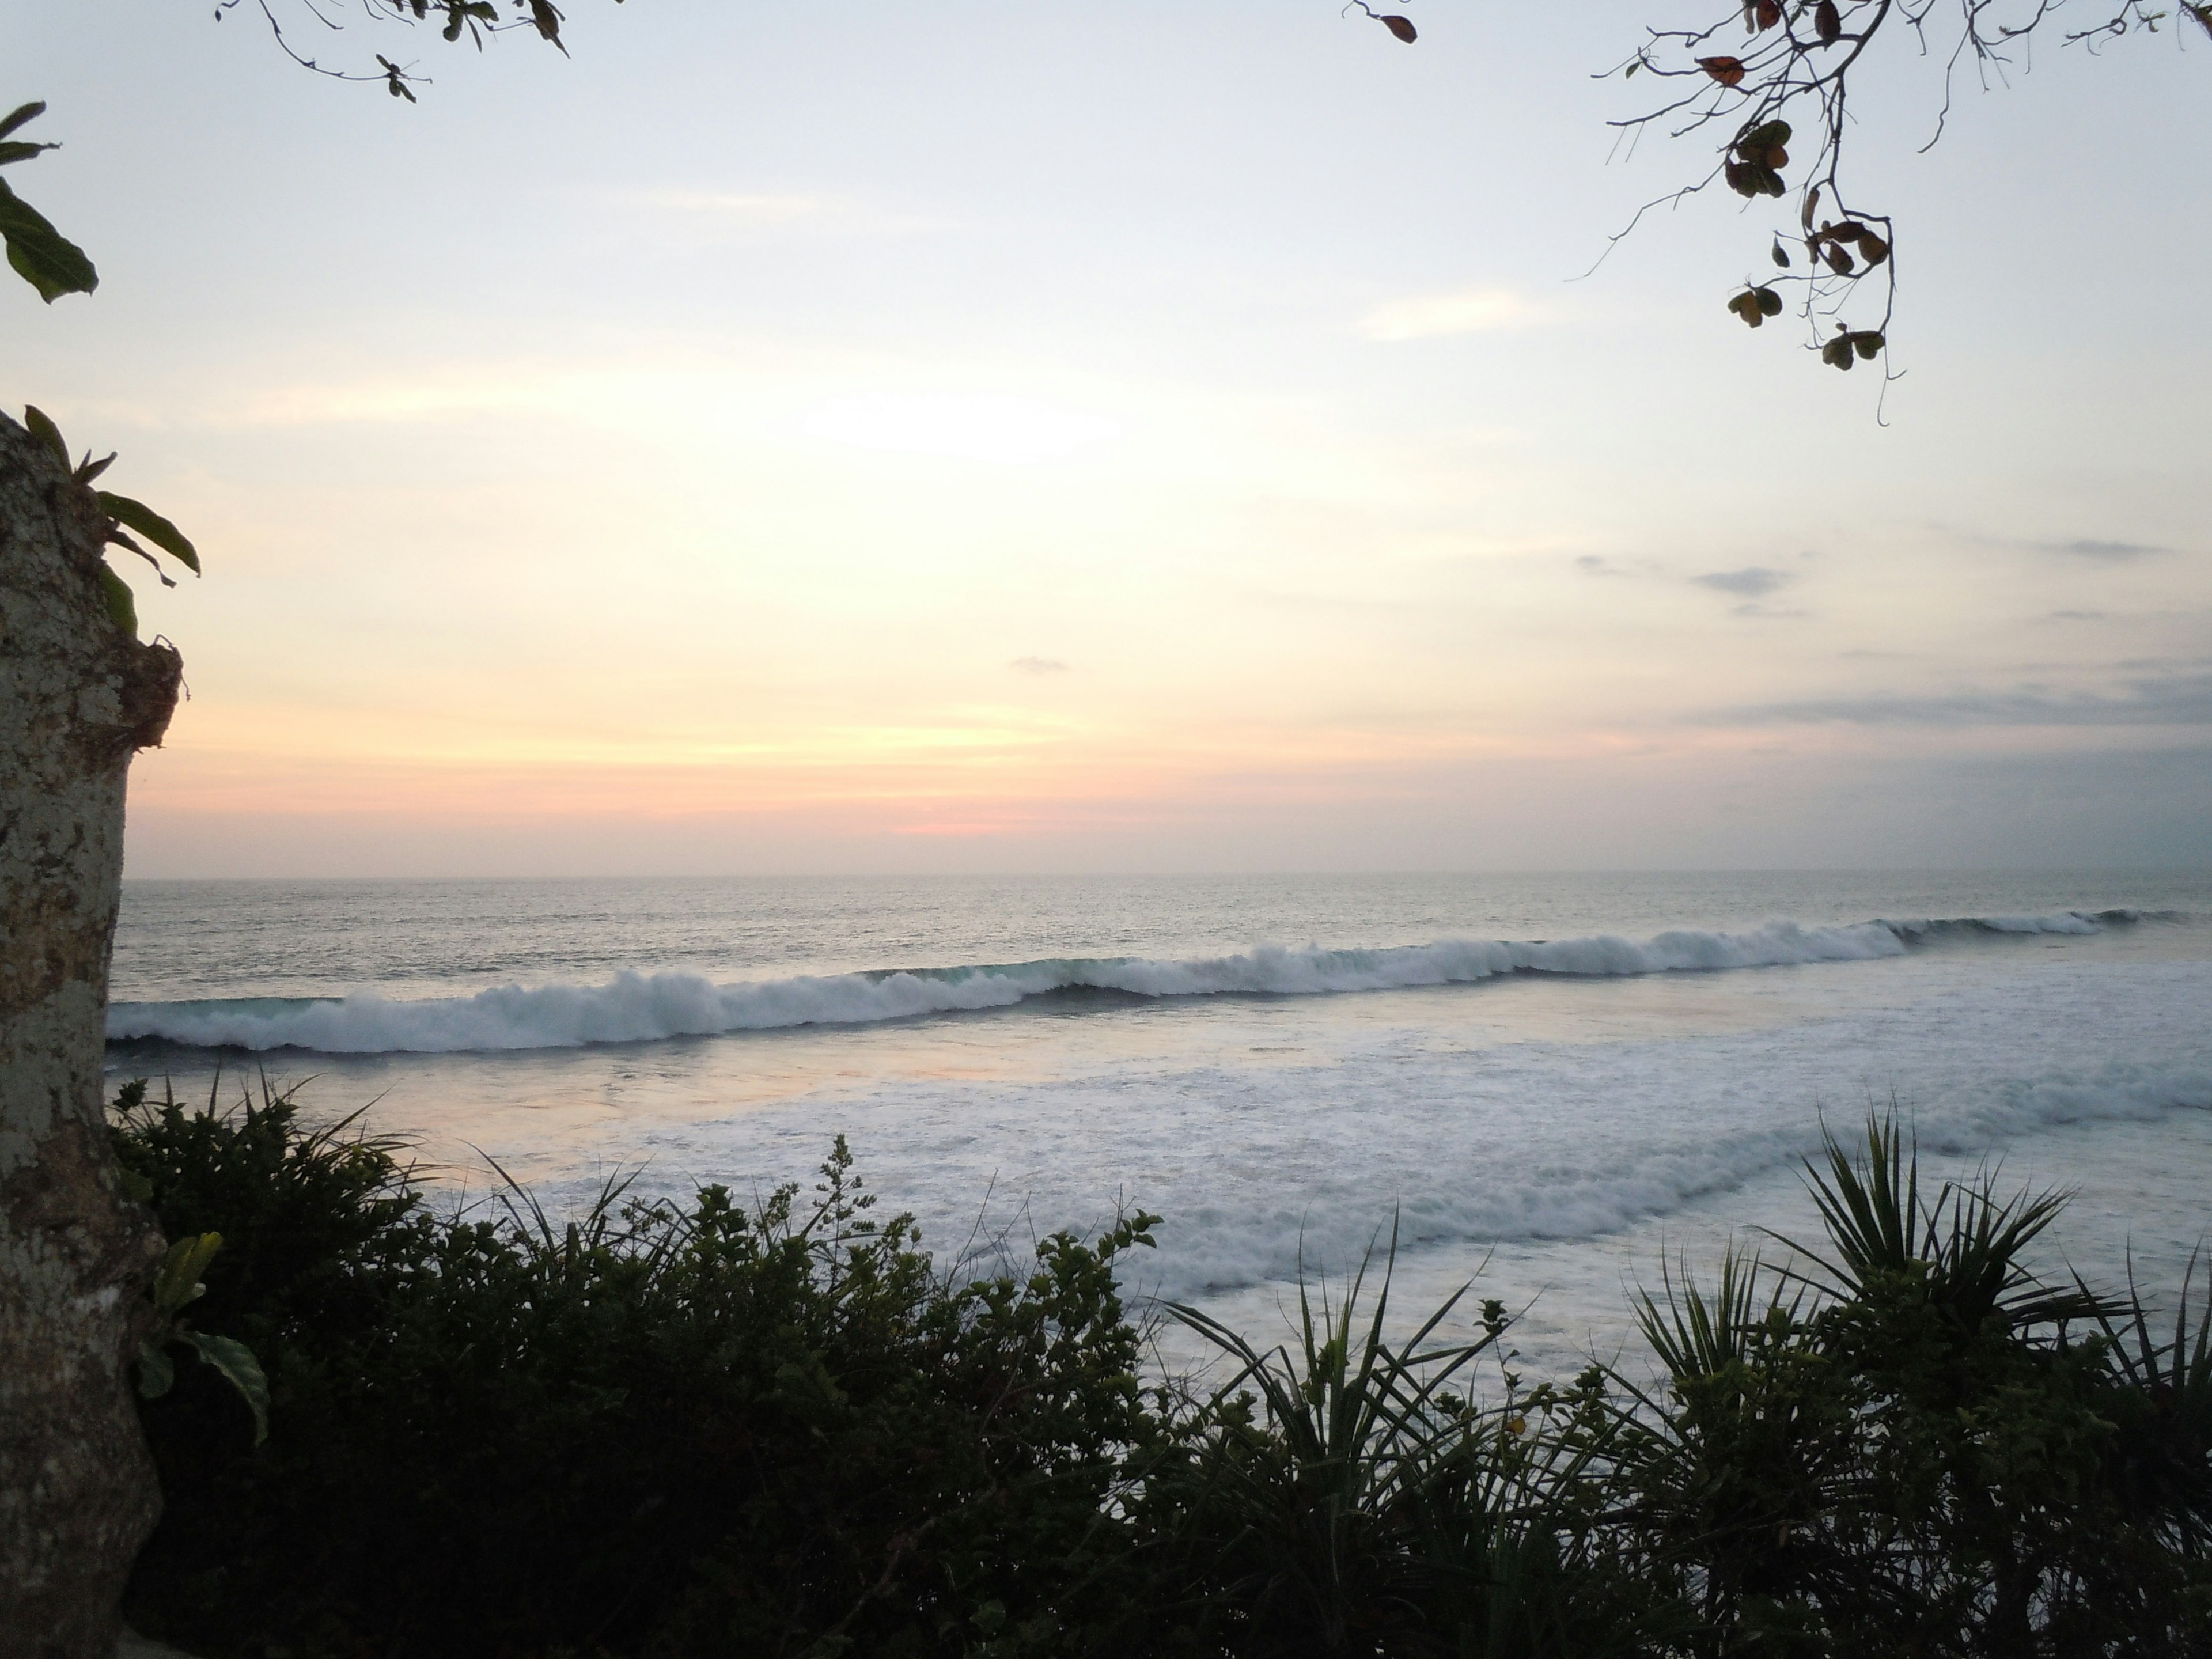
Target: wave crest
{"x": 635, "y": 1007}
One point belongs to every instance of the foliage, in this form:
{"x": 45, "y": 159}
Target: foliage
{"x": 700, "y": 1428}
{"x": 123, "y": 516}
{"x": 38, "y": 253}
{"x": 657, "y": 1428}
{"x": 1803, "y": 58}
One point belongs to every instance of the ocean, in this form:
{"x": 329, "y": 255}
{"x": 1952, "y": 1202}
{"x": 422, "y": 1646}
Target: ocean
{"x": 1554, "y": 1084}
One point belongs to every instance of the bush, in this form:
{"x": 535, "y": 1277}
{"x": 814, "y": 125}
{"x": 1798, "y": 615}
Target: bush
{"x": 661, "y": 1428}
{"x": 693, "y": 1428}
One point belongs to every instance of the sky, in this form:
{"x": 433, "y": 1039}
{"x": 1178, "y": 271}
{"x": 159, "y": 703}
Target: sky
{"x": 990, "y": 436}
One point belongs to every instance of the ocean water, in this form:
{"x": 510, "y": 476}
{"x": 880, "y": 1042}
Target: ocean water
{"x": 1555, "y": 1082}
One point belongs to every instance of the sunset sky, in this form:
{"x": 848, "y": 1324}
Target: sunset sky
{"x": 1033, "y": 436}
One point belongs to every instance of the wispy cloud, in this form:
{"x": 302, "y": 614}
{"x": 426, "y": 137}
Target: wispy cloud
{"x": 2167, "y": 700}
{"x": 2102, "y": 552}
{"x": 1430, "y": 316}
{"x": 1753, "y": 582}
{"x": 1038, "y": 665}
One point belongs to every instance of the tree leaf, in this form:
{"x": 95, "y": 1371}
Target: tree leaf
{"x": 41, "y": 255}
{"x": 41, "y": 427}
{"x": 179, "y": 1281}
{"x": 153, "y": 526}
{"x": 240, "y": 1368}
{"x": 155, "y": 1373}
{"x": 1728, "y": 71}
{"x": 547, "y": 17}
{"x": 1827, "y": 22}
{"x": 1401, "y": 26}
{"x": 1781, "y": 259}
{"x": 23, "y": 112}
{"x": 122, "y": 609}
{"x": 17, "y": 150}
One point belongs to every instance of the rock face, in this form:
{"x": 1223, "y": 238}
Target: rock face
{"x": 77, "y": 698}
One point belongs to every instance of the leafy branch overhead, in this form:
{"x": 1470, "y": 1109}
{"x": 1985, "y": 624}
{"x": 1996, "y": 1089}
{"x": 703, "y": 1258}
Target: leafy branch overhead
{"x": 38, "y": 253}
{"x": 1798, "y": 57}
{"x": 475, "y": 19}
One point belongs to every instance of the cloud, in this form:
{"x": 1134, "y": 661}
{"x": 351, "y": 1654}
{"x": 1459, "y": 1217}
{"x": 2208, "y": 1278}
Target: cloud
{"x": 1038, "y": 665}
{"x": 1430, "y": 316}
{"x": 2102, "y": 552}
{"x": 1753, "y": 582}
{"x": 2075, "y": 615}
{"x": 2165, "y": 700}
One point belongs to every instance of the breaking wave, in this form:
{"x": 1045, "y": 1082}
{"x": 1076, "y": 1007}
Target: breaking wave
{"x": 635, "y": 1007}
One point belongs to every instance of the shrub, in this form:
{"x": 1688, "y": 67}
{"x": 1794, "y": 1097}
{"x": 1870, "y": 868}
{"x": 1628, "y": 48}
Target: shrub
{"x": 661, "y": 1427}
{"x": 679, "y": 1429}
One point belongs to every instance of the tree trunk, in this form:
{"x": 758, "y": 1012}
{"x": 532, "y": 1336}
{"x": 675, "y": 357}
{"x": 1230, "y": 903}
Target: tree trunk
{"x": 77, "y": 698}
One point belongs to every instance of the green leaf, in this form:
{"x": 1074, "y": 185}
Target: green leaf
{"x": 42, "y": 428}
{"x": 140, "y": 1190}
{"x": 240, "y": 1368}
{"x": 152, "y": 526}
{"x": 25, "y": 112}
{"x": 179, "y": 1281}
{"x": 41, "y": 255}
{"x": 17, "y": 150}
{"x": 155, "y": 1373}
{"x": 122, "y": 609}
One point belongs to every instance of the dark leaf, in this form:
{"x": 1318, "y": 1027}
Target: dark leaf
{"x": 1827, "y": 22}
{"x": 122, "y": 611}
{"x": 1770, "y": 302}
{"x": 41, "y": 255}
{"x": 25, "y": 112}
{"x": 240, "y": 1368}
{"x": 548, "y": 19}
{"x": 1872, "y": 248}
{"x": 153, "y": 526}
{"x": 1838, "y": 351}
{"x": 1868, "y": 344}
{"x": 1728, "y": 71}
{"x": 1781, "y": 257}
{"x": 89, "y": 469}
{"x": 41, "y": 426}
{"x": 122, "y": 538}
{"x": 1838, "y": 261}
{"x": 1401, "y": 26}
{"x": 1769, "y": 14}
{"x": 1764, "y": 137}
{"x": 155, "y": 1373}
{"x": 17, "y": 150}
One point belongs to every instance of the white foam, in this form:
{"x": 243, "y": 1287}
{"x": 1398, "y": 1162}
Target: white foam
{"x": 635, "y": 1007}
